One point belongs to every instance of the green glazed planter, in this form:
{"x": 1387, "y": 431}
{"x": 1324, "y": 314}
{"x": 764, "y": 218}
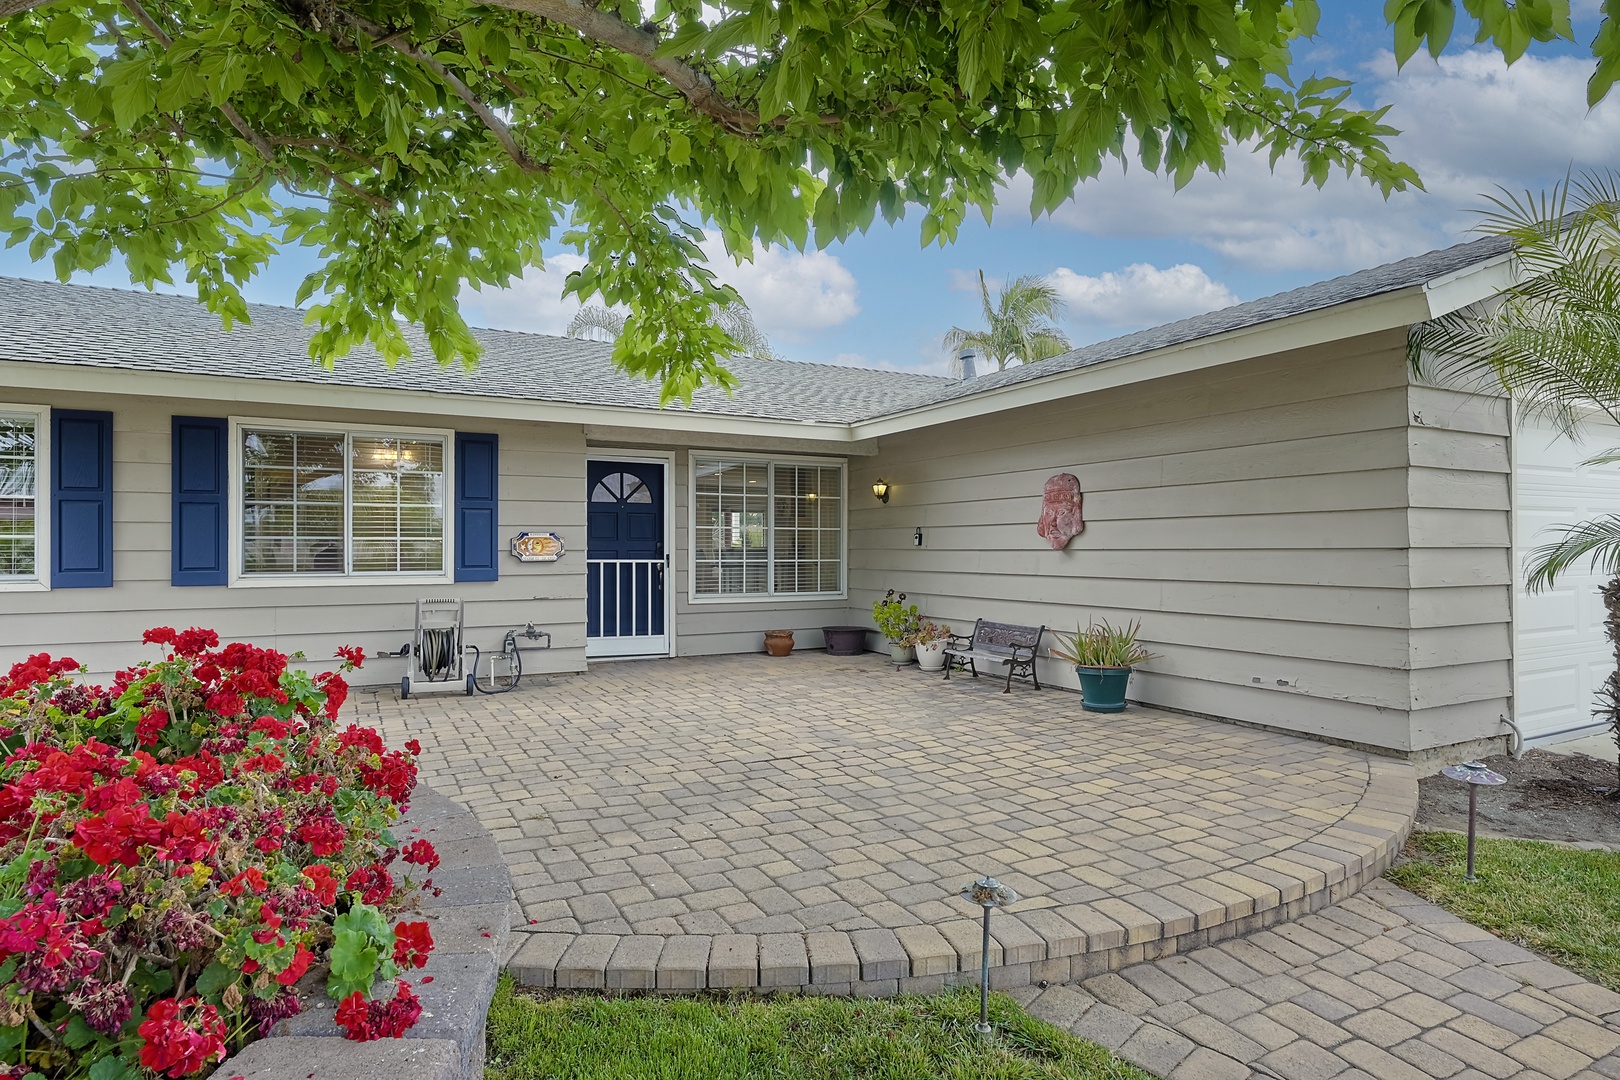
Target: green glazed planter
{"x": 1103, "y": 689}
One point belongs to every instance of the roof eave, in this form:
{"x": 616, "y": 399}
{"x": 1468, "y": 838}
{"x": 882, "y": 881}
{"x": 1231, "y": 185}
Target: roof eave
{"x": 1386, "y": 311}
{"x": 223, "y": 392}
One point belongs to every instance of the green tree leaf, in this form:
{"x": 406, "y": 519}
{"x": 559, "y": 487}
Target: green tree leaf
{"x": 417, "y": 150}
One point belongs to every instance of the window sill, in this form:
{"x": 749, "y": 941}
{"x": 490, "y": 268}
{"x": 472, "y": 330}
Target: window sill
{"x": 777, "y": 598}
{"x": 24, "y": 586}
{"x": 336, "y": 581}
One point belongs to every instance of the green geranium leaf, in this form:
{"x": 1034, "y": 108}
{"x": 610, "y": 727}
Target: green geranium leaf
{"x": 215, "y": 978}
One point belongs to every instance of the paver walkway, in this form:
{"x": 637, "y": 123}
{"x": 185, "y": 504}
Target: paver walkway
{"x": 747, "y": 821}
{"x": 1381, "y": 985}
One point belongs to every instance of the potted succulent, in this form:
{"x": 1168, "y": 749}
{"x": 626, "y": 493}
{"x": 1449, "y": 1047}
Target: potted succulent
{"x": 897, "y": 621}
{"x": 1103, "y": 656}
{"x": 929, "y": 641}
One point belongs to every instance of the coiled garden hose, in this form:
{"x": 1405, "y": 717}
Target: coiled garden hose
{"x": 438, "y": 654}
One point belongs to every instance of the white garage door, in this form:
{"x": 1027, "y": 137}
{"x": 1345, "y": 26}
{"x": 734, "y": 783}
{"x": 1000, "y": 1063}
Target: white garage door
{"x": 1561, "y": 656}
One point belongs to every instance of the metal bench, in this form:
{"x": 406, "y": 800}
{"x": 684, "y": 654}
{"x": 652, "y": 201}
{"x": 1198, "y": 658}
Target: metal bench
{"x": 999, "y": 643}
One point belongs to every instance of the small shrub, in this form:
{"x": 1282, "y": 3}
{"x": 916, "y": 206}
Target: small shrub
{"x": 896, "y": 620}
{"x": 177, "y": 850}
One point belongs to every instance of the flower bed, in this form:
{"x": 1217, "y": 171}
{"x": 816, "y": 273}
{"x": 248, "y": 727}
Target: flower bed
{"x": 177, "y": 850}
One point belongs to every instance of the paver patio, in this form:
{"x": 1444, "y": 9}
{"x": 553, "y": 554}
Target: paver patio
{"x": 1380, "y": 985}
{"x": 806, "y": 822}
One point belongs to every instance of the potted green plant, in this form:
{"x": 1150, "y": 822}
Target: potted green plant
{"x": 897, "y": 621}
{"x": 1103, "y": 656}
{"x": 929, "y": 641}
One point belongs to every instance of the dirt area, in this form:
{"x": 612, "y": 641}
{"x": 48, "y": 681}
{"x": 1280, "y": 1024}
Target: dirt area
{"x": 1547, "y": 797}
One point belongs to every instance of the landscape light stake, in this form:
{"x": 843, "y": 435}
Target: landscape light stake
{"x": 988, "y": 893}
{"x": 1475, "y": 775}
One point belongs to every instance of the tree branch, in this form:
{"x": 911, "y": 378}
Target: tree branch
{"x": 497, "y": 126}
{"x": 8, "y": 8}
{"x": 226, "y": 109}
{"x": 605, "y": 28}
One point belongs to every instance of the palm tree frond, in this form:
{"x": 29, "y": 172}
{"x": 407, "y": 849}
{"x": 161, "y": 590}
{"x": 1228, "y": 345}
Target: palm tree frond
{"x": 596, "y": 323}
{"x": 1597, "y": 540}
{"x": 1018, "y": 324}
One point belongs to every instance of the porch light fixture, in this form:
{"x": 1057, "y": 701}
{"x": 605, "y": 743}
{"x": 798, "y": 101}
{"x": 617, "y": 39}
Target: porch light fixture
{"x": 881, "y": 490}
{"x": 988, "y": 893}
{"x": 1476, "y": 776}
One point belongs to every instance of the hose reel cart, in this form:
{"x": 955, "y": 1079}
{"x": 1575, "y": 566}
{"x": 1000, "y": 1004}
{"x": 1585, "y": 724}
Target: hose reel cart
{"x": 440, "y": 660}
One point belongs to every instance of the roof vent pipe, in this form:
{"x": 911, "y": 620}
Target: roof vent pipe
{"x": 962, "y": 365}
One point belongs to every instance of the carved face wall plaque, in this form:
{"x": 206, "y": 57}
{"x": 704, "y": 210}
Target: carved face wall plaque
{"x": 1061, "y": 520}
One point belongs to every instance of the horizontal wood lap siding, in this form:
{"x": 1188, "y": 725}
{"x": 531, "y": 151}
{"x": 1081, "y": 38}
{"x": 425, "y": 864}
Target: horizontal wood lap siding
{"x": 1258, "y": 518}
{"x": 542, "y": 475}
{"x": 1461, "y": 651}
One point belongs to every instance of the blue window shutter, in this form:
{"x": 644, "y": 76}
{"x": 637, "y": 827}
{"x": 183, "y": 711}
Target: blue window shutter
{"x": 199, "y": 516}
{"x": 477, "y": 506}
{"x": 81, "y": 499}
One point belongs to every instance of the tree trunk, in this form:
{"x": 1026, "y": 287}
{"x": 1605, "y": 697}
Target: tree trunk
{"x": 1609, "y": 697}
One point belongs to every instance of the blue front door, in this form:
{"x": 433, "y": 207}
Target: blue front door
{"x": 625, "y": 559}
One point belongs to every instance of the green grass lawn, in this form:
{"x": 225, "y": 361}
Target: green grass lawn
{"x": 582, "y": 1037}
{"x": 1562, "y": 902}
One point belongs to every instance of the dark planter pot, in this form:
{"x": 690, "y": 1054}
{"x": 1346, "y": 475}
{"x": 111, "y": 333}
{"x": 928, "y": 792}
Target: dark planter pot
{"x": 1102, "y": 689}
{"x": 844, "y": 640}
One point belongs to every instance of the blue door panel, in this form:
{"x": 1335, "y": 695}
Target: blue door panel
{"x": 624, "y": 520}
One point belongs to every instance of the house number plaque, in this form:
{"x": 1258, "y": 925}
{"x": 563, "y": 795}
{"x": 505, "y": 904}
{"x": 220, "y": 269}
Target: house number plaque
{"x": 537, "y": 547}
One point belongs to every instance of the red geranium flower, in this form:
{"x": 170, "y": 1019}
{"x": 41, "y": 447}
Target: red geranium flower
{"x": 363, "y": 1020}
{"x": 422, "y": 853}
{"x": 325, "y": 836}
{"x": 374, "y": 884}
{"x": 322, "y": 883}
{"x": 412, "y": 943}
{"x": 181, "y": 1037}
{"x": 295, "y": 970}
{"x": 117, "y": 835}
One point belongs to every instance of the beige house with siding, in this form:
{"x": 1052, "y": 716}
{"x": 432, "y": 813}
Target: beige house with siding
{"x": 1312, "y": 540}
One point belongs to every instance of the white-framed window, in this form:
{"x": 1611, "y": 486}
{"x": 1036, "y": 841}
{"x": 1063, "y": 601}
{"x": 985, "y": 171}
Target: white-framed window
{"x": 317, "y": 502}
{"x": 764, "y": 527}
{"x": 24, "y": 496}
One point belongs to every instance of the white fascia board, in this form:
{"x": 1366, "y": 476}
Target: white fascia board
{"x": 1471, "y": 284}
{"x": 223, "y": 392}
{"x": 1386, "y": 311}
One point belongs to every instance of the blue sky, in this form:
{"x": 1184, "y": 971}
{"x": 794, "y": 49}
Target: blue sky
{"x": 1127, "y": 251}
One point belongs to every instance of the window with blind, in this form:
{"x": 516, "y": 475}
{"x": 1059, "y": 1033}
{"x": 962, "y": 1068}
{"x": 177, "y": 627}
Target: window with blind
{"x": 342, "y": 503}
{"x": 21, "y": 554}
{"x": 767, "y": 528}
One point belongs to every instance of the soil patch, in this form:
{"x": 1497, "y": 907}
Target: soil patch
{"x": 1547, "y": 797}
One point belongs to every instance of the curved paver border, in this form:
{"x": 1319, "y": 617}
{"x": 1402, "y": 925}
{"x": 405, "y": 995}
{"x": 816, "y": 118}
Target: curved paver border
{"x": 1054, "y": 944}
{"x": 470, "y": 922}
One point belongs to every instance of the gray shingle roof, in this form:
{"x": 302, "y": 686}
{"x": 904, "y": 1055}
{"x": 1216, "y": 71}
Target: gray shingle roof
{"x": 45, "y": 322}
{"x": 119, "y": 328}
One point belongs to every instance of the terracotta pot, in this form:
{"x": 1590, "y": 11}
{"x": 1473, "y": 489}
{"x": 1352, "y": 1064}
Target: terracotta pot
{"x": 778, "y": 642}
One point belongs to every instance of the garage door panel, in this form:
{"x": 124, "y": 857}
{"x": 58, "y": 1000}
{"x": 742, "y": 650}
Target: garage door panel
{"x": 1554, "y": 612}
{"x": 1549, "y": 693}
{"x": 1560, "y": 655}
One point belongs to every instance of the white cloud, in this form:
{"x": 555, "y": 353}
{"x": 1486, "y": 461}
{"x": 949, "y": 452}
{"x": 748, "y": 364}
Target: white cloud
{"x": 534, "y": 303}
{"x": 790, "y": 293}
{"x": 1139, "y": 295}
{"x": 1470, "y": 124}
